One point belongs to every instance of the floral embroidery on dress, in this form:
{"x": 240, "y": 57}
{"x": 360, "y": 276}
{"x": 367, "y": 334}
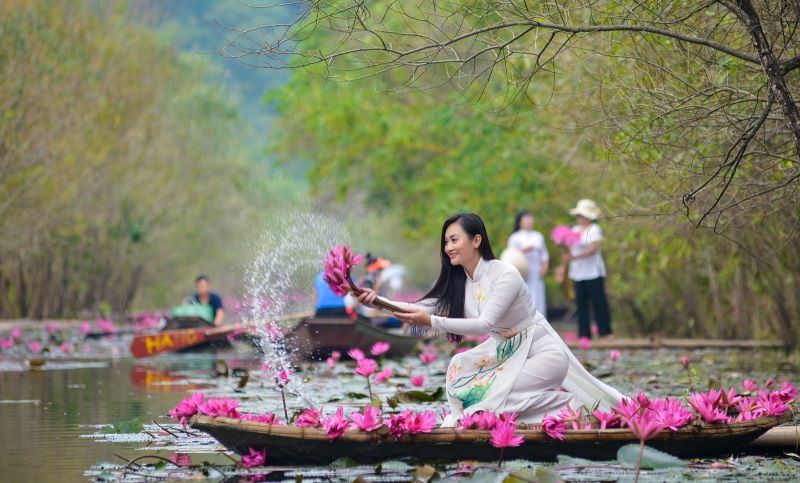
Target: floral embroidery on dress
{"x": 453, "y": 371}
{"x": 484, "y": 361}
{"x": 480, "y": 295}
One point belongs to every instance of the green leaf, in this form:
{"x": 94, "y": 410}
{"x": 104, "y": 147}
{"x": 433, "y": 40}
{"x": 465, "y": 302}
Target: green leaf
{"x": 356, "y": 395}
{"x": 160, "y": 465}
{"x": 629, "y": 454}
{"x": 420, "y": 396}
{"x": 345, "y": 462}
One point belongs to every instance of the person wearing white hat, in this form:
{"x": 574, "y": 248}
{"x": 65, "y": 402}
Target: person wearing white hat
{"x": 588, "y": 270}
{"x": 532, "y": 244}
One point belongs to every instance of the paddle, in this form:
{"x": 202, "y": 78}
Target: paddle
{"x": 173, "y": 340}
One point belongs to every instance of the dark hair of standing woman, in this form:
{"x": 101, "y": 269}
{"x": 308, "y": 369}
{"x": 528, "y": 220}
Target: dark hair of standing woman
{"x": 450, "y": 287}
{"x": 518, "y": 219}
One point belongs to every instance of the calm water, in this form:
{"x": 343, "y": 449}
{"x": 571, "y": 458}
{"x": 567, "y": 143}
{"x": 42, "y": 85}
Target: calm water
{"x": 48, "y": 416}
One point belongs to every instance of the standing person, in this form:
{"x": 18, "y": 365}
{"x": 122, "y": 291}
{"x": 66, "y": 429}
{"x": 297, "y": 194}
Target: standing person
{"x": 532, "y": 244}
{"x": 524, "y": 366}
{"x": 587, "y": 270}
{"x": 204, "y": 295}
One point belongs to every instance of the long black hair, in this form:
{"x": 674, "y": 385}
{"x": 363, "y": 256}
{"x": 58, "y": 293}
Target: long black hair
{"x": 520, "y": 214}
{"x": 449, "y": 288}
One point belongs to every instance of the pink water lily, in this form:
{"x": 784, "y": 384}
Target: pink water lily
{"x": 421, "y": 422}
{"x": 606, "y": 420}
{"x": 310, "y": 418}
{"x": 336, "y": 355}
{"x": 219, "y": 407}
{"x": 643, "y": 400}
{"x": 65, "y": 347}
{"x": 35, "y": 347}
{"x": 370, "y": 420}
{"x": 187, "y": 408}
{"x": 645, "y": 426}
{"x": 570, "y": 417}
{"x": 397, "y": 423}
{"x": 787, "y": 392}
{"x": 7, "y": 343}
{"x": 584, "y": 343}
{"x": 749, "y": 385}
{"x": 338, "y": 263}
{"x": 707, "y": 409}
{"x": 282, "y": 378}
{"x": 504, "y": 435}
{"x": 16, "y": 333}
{"x": 484, "y": 420}
{"x": 331, "y": 362}
{"x": 553, "y": 427}
{"x": 770, "y": 382}
{"x": 335, "y": 425}
{"x": 105, "y": 325}
{"x": 356, "y": 354}
{"x": 254, "y": 458}
{"x": 50, "y": 327}
{"x": 383, "y": 375}
{"x": 626, "y": 408}
{"x": 671, "y": 413}
{"x": 769, "y": 404}
{"x": 614, "y": 356}
{"x": 366, "y": 367}
{"x": 428, "y": 357}
{"x": 180, "y": 459}
{"x": 85, "y": 328}
{"x": 418, "y": 381}
{"x": 380, "y": 348}
{"x": 685, "y": 362}
{"x": 266, "y": 418}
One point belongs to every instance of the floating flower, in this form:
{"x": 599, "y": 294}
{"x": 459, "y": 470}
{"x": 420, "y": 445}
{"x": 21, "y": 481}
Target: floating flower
{"x": 503, "y": 435}
{"x": 65, "y": 347}
{"x": 254, "y": 458}
{"x": 268, "y": 418}
{"x": 568, "y": 416}
{"x": 418, "y": 381}
{"x": 335, "y": 425}
{"x": 338, "y": 263}
{"x": 626, "y": 408}
{"x": 421, "y": 422}
{"x": 356, "y": 354}
{"x": 7, "y": 343}
{"x": 553, "y": 427}
{"x": 614, "y": 356}
{"x": 105, "y": 325}
{"x": 769, "y": 404}
{"x": 428, "y": 357}
{"x": 50, "y": 327}
{"x": 35, "y": 347}
{"x": 685, "y": 362}
{"x": 787, "y": 392}
{"x": 85, "y": 328}
{"x": 366, "y": 367}
{"x": 336, "y": 355}
{"x": 16, "y": 333}
{"x": 187, "y": 408}
{"x": 397, "y": 423}
{"x": 369, "y": 420}
{"x": 310, "y": 418}
{"x": 707, "y": 409}
{"x": 380, "y": 348}
{"x": 749, "y": 385}
{"x": 383, "y": 375}
{"x": 331, "y": 362}
{"x": 584, "y": 343}
{"x": 770, "y": 382}
{"x": 606, "y": 420}
{"x": 180, "y": 459}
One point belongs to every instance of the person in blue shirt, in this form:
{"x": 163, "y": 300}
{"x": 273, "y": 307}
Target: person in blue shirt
{"x": 327, "y": 303}
{"x": 204, "y": 295}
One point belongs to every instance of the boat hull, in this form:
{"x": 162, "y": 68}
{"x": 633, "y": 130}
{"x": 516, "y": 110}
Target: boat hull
{"x": 315, "y": 339}
{"x": 291, "y": 445}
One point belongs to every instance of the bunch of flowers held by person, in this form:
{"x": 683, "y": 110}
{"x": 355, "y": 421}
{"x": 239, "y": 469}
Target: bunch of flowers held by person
{"x": 338, "y": 263}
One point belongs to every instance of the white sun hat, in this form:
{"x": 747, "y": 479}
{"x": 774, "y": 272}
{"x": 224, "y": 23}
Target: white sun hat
{"x": 587, "y": 208}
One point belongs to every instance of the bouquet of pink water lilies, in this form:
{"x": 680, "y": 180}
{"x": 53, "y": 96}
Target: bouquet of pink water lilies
{"x": 563, "y": 235}
{"x": 338, "y": 264}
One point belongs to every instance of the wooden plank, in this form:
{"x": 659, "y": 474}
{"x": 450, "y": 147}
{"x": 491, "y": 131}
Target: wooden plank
{"x": 656, "y": 343}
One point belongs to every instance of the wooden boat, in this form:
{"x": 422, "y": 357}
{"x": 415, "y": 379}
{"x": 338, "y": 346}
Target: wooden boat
{"x": 316, "y": 338}
{"x": 292, "y": 445}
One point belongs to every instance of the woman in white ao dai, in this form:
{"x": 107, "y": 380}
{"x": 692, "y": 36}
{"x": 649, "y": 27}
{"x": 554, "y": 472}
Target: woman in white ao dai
{"x": 524, "y": 366}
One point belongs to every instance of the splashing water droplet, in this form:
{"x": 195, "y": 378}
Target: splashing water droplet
{"x": 288, "y": 254}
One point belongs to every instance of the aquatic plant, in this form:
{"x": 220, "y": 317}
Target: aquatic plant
{"x": 614, "y": 356}
{"x": 383, "y": 375}
{"x": 370, "y": 420}
{"x": 310, "y": 418}
{"x": 563, "y": 235}
{"x": 645, "y": 427}
{"x": 338, "y": 263}
{"x": 553, "y": 427}
{"x": 606, "y": 420}
{"x": 254, "y": 458}
{"x": 356, "y": 354}
{"x": 335, "y": 425}
{"x": 379, "y": 348}
{"x": 367, "y": 367}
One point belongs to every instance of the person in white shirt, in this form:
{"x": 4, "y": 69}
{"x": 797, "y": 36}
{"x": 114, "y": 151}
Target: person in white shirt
{"x": 588, "y": 271}
{"x": 524, "y": 366}
{"x": 532, "y": 244}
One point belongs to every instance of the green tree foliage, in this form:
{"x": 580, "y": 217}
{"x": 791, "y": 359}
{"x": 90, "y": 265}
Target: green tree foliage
{"x": 421, "y": 138}
{"x": 119, "y": 164}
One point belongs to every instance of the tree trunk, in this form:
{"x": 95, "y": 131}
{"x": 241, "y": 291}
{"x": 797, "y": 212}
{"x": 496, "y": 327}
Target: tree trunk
{"x": 773, "y": 69}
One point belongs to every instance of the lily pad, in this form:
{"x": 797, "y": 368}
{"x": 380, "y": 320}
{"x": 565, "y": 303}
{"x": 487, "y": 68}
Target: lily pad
{"x": 420, "y": 396}
{"x": 629, "y": 454}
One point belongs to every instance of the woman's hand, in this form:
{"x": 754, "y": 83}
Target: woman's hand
{"x": 415, "y": 317}
{"x": 367, "y": 297}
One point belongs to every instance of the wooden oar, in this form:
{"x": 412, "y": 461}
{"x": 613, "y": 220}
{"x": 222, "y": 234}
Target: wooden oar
{"x": 173, "y": 340}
